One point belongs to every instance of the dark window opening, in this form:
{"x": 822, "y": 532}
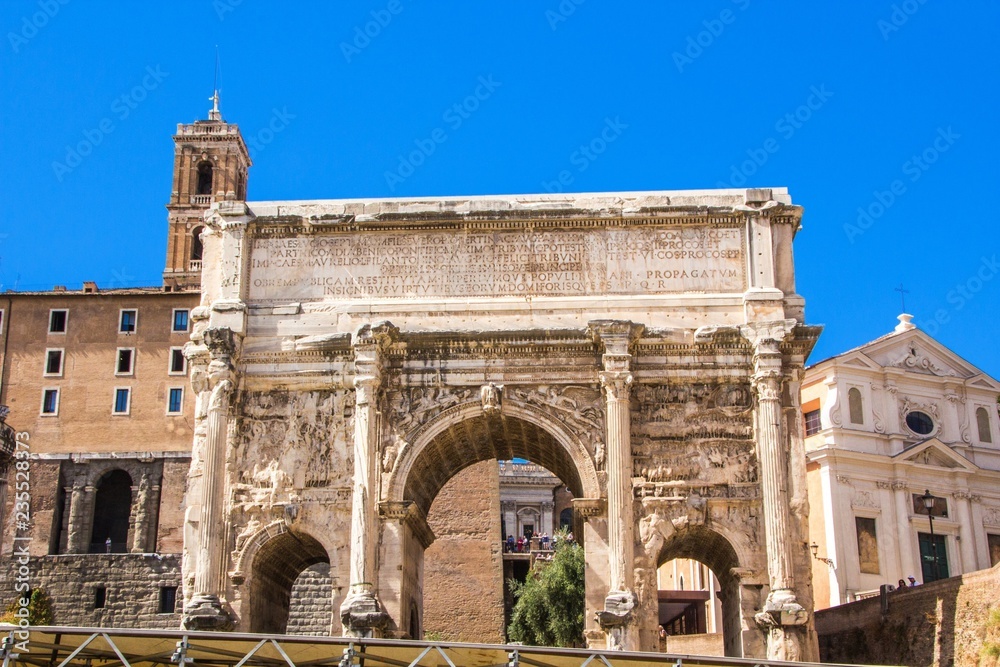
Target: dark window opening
{"x": 53, "y": 362}
{"x": 813, "y": 423}
{"x": 100, "y": 597}
{"x": 124, "y": 362}
{"x": 204, "y": 179}
{"x": 168, "y": 599}
{"x": 983, "y": 422}
{"x": 127, "y": 324}
{"x": 180, "y": 320}
{"x": 919, "y": 422}
{"x": 993, "y": 542}
{"x": 112, "y": 509}
{"x": 196, "y": 247}
{"x": 566, "y": 519}
{"x": 855, "y": 406}
{"x": 57, "y": 321}
{"x": 940, "y": 505}
{"x": 177, "y": 361}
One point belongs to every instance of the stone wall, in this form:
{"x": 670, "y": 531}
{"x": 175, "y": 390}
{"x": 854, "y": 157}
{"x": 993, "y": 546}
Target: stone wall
{"x": 311, "y": 608}
{"x": 463, "y": 569}
{"x": 132, "y": 585}
{"x": 941, "y": 624}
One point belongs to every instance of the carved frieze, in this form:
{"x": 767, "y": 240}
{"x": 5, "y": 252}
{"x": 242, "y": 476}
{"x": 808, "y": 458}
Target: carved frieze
{"x": 686, "y": 411}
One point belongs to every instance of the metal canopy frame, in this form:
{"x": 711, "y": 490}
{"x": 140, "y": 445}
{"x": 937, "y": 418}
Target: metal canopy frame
{"x": 104, "y": 647}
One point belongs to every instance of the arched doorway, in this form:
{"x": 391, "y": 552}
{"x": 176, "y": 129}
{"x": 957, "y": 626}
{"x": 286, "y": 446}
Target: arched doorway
{"x": 678, "y": 608}
{"x": 277, "y": 567}
{"x": 458, "y": 439}
{"x": 112, "y": 511}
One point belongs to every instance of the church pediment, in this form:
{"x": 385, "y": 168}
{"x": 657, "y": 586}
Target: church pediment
{"x": 916, "y": 352}
{"x": 935, "y": 453}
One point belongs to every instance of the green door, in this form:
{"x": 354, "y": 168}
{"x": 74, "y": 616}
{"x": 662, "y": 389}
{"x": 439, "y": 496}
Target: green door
{"x": 927, "y": 552}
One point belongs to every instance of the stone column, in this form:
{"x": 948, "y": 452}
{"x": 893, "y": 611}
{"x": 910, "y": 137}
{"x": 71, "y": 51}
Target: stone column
{"x": 509, "y": 509}
{"x": 206, "y": 610}
{"x": 77, "y": 536}
{"x": 965, "y": 531}
{"x": 547, "y": 525}
{"x": 361, "y": 613}
{"x": 617, "y": 619}
{"x": 906, "y": 562}
{"x": 782, "y": 616}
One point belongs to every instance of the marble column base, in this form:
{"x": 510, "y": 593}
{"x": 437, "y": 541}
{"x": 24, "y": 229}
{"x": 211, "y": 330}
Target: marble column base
{"x": 206, "y": 612}
{"x": 362, "y": 616}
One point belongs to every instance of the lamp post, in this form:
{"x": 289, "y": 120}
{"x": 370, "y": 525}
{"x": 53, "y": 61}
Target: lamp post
{"x": 928, "y": 501}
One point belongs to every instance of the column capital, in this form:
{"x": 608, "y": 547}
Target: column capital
{"x": 375, "y": 337}
{"x": 617, "y": 384}
{"x": 221, "y": 342}
{"x": 767, "y": 336}
{"x": 767, "y": 384}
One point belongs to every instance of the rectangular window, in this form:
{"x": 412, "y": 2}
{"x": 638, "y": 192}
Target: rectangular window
{"x": 53, "y": 362}
{"x": 127, "y": 322}
{"x": 933, "y": 557}
{"x": 57, "y": 321}
{"x": 175, "y": 400}
{"x": 100, "y": 597}
{"x": 50, "y": 401}
{"x": 180, "y": 320}
{"x": 178, "y": 364}
{"x": 168, "y": 599}
{"x": 940, "y": 505}
{"x": 993, "y": 541}
{"x": 867, "y": 544}
{"x": 126, "y": 361}
{"x": 813, "y": 424}
{"x": 123, "y": 397}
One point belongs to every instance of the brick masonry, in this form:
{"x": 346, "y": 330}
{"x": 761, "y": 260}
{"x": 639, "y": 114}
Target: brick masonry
{"x": 463, "y": 569}
{"x": 940, "y": 624}
{"x": 132, "y": 583}
{"x": 311, "y": 608}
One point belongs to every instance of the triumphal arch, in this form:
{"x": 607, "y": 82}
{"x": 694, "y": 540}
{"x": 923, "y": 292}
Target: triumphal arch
{"x": 349, "y": 357}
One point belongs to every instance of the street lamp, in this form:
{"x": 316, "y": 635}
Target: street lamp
{"x": 928, "y": 501}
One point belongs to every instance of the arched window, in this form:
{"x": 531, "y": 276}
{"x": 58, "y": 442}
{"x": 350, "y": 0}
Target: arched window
{"x": 983, "y": 421}
{"x": 855, "y": 406}
{"x": 196, "y": 247}
{"x": 204, "y": 179}
{"x": 566, "y": 519}
{"x": 112, "y": 509}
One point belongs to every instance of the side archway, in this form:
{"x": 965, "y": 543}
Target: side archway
{"x": 276, "y": 564}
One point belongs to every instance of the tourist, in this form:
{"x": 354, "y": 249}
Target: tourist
{"x": 510, "y": 543}
{"x": 913, "y": 582}
{"x": 901, "y": 583}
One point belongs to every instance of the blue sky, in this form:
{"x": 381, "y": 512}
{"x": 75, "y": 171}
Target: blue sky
{"x": 880, "y": 117}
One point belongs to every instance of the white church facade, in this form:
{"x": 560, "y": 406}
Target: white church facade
{"x": 892, "y": 427}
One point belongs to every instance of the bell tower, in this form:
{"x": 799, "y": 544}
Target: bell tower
{"x": 210, "y": 164}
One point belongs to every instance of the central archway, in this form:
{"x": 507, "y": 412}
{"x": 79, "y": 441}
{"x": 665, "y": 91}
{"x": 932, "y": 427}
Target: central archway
{"x": 441, "y": 449}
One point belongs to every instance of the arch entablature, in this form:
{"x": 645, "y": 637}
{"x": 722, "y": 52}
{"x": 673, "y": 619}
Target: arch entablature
{"x": 518, "y": 427}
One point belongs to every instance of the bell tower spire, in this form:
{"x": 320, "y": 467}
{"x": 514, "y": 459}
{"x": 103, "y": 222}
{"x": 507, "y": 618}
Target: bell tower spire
{"x": 210, "y": 165}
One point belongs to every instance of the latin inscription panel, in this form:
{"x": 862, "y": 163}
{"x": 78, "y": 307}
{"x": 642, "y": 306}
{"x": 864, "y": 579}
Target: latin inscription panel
{"x": 461, "y": 264}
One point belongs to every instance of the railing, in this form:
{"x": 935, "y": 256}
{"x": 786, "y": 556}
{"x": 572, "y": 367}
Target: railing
{"x": 201, "y": 200}
{"x": 194, "y": 265}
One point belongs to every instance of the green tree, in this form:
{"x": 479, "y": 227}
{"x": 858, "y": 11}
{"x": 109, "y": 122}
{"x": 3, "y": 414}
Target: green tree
{"x": 39, "y": 609}
{"x": 549, "y": 605}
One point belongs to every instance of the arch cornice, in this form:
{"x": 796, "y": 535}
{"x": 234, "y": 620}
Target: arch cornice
{"x": 420, "y": 438}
